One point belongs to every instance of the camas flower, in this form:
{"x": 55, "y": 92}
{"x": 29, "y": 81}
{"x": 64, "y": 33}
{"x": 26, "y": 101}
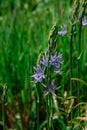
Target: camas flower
{"x": 63, "y": 31}
{"x": 44, "y": 62}
{"x": 56, "y": 61}
{"x": 84, "y": 21}
{"x": 39, "y": 75}
{"x": 51, "y": 88}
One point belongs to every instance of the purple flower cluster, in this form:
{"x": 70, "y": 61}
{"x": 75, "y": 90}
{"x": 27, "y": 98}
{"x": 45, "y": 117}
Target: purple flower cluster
{"x": 39, "y": 74}
{"x": 51, "y": 88}
{"x": 56, "y": 61}
{"x": 44, "y": 62}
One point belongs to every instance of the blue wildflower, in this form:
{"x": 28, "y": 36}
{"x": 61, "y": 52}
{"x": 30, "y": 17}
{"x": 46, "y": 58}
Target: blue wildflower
{"x": 56, "y": 69}
{"x": 39, "y": 74}
{"x": 84, "y": 21}
{"x": 56, "y": 61}
{"x": 51, "y": 88}
{"x": 44, "y": 62}
{"x": 63, "y": 31}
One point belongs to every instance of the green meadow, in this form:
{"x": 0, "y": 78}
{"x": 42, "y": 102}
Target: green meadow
{"x": 26, "y": 31}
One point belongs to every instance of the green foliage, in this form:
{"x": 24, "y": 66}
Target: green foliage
{"x": 24, "y": 32}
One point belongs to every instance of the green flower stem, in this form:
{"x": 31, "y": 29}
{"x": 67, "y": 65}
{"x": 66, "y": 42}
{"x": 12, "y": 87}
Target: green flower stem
{"x": 51, "y": 49}
{"x": 47, "y": 109}
{"x": 84, "y": 5}
{"x": 37, "y": 106}
{"x": 73, "y": 22}
{"x": 51, "y": 113}
{"x": 71, "y": 47}
{"x": 78, "y": 66}
{"x": 48, "y": 96}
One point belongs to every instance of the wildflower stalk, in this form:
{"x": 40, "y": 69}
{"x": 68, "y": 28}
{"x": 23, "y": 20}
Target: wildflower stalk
{"x": 47, "y": 109}
{"x": 39, "y": 72}
{"x": 44, "y": 70}
{"x": 51, "y": 49}
{"x": 51, "y": 113}
{"x": 48, "y": 96}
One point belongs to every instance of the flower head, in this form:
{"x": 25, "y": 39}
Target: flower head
{"x": 51, "y": 88}
{"x": 84, "y": 21}
{"x": 39, "y": 75}
{"x": 44, "y": 62}
{"x": 56, "y": 61}
{"x": 63, "y": 31}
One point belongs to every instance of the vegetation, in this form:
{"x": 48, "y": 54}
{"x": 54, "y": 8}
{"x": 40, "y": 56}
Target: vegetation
{"x": 43, "y": 63}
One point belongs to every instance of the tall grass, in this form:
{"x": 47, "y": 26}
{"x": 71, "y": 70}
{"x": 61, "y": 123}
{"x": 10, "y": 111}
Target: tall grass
{"x": 24, "y": 30}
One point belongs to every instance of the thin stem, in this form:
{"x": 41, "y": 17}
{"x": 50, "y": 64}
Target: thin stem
{"x": 51, "y": 112}
{"x": 78, "y": 65}
{"x": 48, "y": 96}
{"x": 47, "y": 103}
{"x": 71, "y": 48}
{"x": 51, "y": 48}
{"x": 84, "y": 5}
{"x": 47, "y": 108}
